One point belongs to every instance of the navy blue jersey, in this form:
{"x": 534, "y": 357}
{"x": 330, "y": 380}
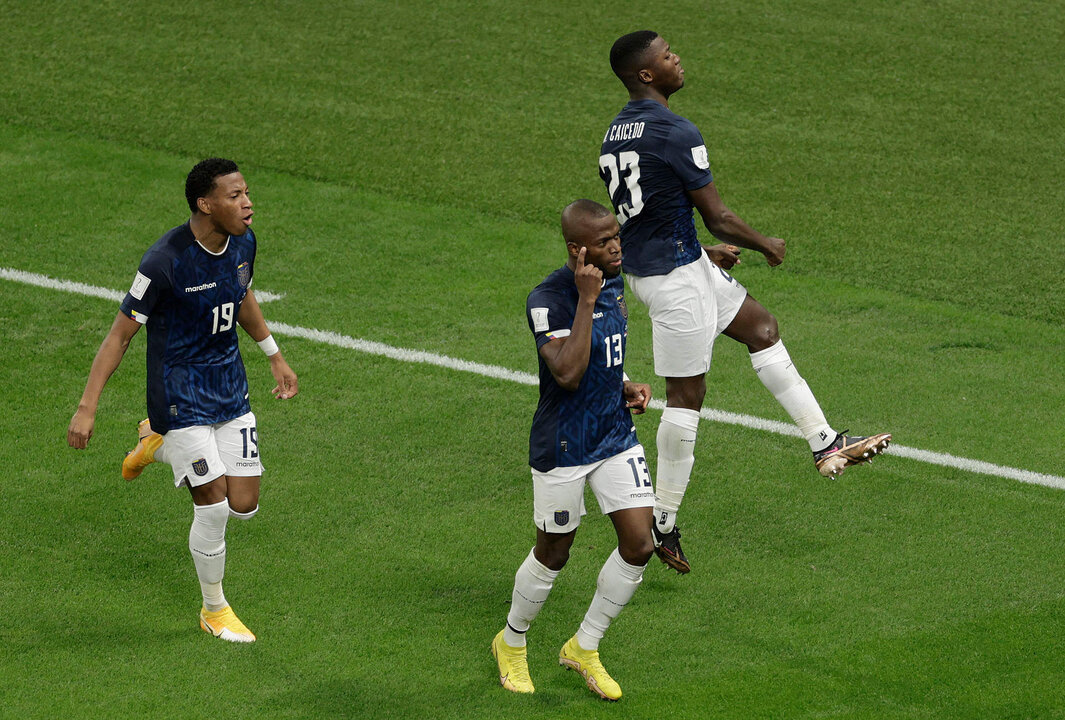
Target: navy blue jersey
{"x": 188, "y": 299}
{"x": 592, "y": 422}
{"x": 649, "y": 159}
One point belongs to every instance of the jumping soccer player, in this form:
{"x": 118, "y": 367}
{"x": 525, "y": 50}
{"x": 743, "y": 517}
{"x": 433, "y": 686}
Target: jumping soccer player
{"x": 656, "y": 169}
{"x": 582, "y": 432}
{"x": 192, "y": 288}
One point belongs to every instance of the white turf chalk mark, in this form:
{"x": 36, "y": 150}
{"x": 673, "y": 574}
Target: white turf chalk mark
{"x": 492, "y": 371}
{"x": 70, "y": 286}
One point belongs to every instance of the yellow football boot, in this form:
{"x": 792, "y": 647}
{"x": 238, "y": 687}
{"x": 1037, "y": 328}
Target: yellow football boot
{"x": 513, "y": 666}
{"x": 225, "y": 624}
{"x": 587, "y": 663}
{"x": 144, "y": 454}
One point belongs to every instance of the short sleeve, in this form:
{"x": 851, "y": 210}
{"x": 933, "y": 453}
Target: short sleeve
{"x": 687, "y": 156}
{"x": 549, "y": 318}
{"x": 151, "y": 280}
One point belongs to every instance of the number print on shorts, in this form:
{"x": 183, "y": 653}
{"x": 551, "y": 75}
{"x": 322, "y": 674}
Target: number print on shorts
{"x": 641, "y": 472}
{"x": 251, "y": 442}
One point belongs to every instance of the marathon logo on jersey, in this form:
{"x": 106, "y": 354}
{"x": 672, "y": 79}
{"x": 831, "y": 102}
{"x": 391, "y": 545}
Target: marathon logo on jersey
{"x": 200, "y": 467}
{"x": 199, "y": 288}
{"x": 561, "y": 517}
{"x": 539, "y": 318}
{"x": 623, "y": 307}
{"x": 244, "y": 274}
{"x": 140, "y": 285}
{"x": 702, "y": 160}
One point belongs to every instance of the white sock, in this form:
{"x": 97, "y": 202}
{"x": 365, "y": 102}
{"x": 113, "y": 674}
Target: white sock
{"x": 532, "y": 585}
{"x": 676, "y": 456}
{"x": 160, "y": 453}
{"x": 207, "y": 543}
{"x": 244, "y": 516}
{"x": 617, "y": 583}
{"x": 777, "y": 372}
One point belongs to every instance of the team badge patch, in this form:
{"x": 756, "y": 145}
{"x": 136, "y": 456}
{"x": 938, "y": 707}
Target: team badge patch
{"x": 244, "y": 274}
{"x": 623, "y": 307}
{"x": 561, "y": 517}
{"x": 200, "y": 467}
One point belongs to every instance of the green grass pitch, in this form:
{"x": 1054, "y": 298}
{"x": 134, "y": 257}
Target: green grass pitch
{"x": 408, "y": 163}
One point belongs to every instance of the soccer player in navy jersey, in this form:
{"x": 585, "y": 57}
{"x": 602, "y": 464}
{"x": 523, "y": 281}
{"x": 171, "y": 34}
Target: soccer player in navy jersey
{"x": 192, "y": 288}
{"x": 582, "y": 432}
{"x": 656, "y": 169}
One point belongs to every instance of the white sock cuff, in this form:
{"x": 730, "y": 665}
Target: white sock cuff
{"x": 775, "y": 353}
{"x": 244, "y": 516}
{"x": 539, "y": 570}
{"x": 214, "y": 512}
{"x": 630, "y": 572}
{"x": 682, "y": 417}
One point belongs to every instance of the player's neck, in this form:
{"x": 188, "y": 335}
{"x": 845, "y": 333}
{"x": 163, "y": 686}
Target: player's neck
{"x": 649, "y": 93}
{"x": 207, "y": 235}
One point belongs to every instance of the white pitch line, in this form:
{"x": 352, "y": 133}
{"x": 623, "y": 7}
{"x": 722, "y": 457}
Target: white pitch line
{"x": 524, "y": 378}
{"x": 78, "y": 288}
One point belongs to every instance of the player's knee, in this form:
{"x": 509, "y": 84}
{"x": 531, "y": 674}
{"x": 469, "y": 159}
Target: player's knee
{"x": 768, "y": 332}
{"x": 637, "y": 551}
{"x": 553, "y": 557}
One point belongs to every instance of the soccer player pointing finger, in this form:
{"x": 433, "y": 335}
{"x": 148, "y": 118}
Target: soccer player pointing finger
{"x": 582, "y": 432}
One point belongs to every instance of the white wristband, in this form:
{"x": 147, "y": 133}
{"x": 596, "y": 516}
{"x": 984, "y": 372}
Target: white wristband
{"x": 625, "y": 376}
{"x": 269, "y": 346}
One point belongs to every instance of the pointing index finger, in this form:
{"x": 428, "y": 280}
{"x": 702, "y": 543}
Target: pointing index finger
{"x": 580, "y": 257}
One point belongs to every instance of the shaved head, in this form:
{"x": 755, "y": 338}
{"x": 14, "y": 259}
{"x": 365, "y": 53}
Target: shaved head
{"x": 576, "y": 213}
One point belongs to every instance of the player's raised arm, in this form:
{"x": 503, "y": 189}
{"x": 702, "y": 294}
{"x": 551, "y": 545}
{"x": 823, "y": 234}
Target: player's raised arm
{"x": 250, "y": 317}
{"x": 567, "y": 358}
{"x": 107, "y": 360}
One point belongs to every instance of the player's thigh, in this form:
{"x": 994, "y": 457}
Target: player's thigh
{"x": 558, "y": 498}
{"x": 683, "y": 315}
{"x": 238, "y": 446}
{"x": 193, "y": 456}
{"x": 623, "y": 482}
{"x": 729, "y": 295}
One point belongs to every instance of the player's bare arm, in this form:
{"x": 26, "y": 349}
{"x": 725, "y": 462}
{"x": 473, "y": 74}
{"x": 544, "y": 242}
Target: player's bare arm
{"x": 567, "y": 358}
{"x": 729, "y": 227}
{"x": 637, "y": 396}
{"x": 107, "y": 360}
{"x": 250, "y": 317}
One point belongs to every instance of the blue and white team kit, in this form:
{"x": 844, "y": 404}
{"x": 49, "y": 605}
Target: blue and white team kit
{"x": 188, "y": 299}
{"x": 586, "y": 434}
{"x": 650, "y": 159}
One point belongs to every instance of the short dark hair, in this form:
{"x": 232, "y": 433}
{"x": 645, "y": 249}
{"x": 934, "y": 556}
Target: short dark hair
{"x": 200, "y": 181}
{"x": 628, "y": 51}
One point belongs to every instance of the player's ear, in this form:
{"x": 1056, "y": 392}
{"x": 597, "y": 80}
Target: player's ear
{"x": 645, "y": 76}
{"x": 204, "y": 205}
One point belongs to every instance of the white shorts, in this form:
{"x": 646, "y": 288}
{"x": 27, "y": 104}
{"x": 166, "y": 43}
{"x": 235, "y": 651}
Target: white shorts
{"x": 619, "y": 483}
{"x": 202, "y": 453}
{"x": 689, "y": 308}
